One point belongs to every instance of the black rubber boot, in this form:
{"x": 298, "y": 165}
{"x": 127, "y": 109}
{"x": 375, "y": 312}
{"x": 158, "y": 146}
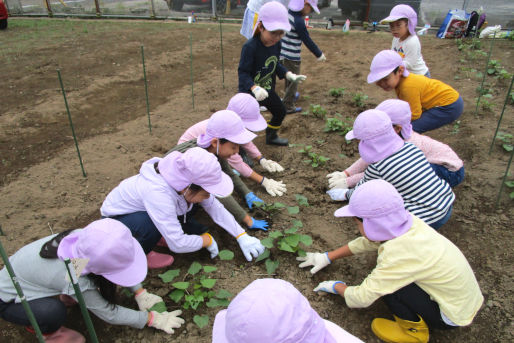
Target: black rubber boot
{"x": 273, "y": 139}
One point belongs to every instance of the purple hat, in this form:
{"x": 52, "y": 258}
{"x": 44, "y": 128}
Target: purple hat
{"x": 400, "y": 114}
{"x": 273, "y": 16}
{"x": 297, "y": 5}
{"x": 196, "y": 166}
{"x": 378, "y": 139}
{"x": 384, "y": 63}
{"x": 111, "y": 250}
{"x": 225, "y": 124}
{"x": 245, "y": 105}
{"x": 403, "y": 11}
{"x": 270, "y": 310}
{"x": 382, "y": 209}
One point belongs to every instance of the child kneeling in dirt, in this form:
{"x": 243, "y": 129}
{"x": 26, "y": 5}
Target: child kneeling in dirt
{"x": 259, "y": 63}
{"x": 443, "y": 160}
{"x": 273, "y": 310}
{"x": 424, "y": 279}
{"x": 114, "y": 258}
{"x": 432, "y": 102}
{"x": 247, "y": 108}
{"x": 403, "y": 165}
{"x": 157, "y": 203}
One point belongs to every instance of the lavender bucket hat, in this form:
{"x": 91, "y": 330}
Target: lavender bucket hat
{"x": 382, "y": 209}
{"x": 225, "y": 124}
{"x": 245, "y": 105}
{"x": 273, "y": 310}
{"x": 378, "y": 139}
{"x": 297, "y": 5}
{"x": 400, "y": 114}
{"x": 197, "y": 166}
{"x": 111, "y": 250}
{"x": 400, "y": 12}
{"x": 384, "y": 63}
{"x": 273, "y": 16}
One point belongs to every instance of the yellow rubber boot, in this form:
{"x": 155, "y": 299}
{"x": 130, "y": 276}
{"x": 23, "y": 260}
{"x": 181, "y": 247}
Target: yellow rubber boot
{"x": 400, "y": 331}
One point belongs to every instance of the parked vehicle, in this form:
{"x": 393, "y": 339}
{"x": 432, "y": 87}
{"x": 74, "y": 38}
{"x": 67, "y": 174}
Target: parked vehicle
{"x": 3, "y": 15}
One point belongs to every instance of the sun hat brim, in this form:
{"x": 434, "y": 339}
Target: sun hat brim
{"x": 277, "y": 25}
{"x": 339, "y": 334}
{"x": 218, "y": 329}
{"x": 350, "y": 135}
{"x": 256, "y": 125}
{"x": 222, "y": 189}
{"x": 375, "y": 76}
{"x": 344, "y": 212}
{"x": 242, "y": 137}
{"x": 133, "y": 274}
{"x": 392, "y": 18}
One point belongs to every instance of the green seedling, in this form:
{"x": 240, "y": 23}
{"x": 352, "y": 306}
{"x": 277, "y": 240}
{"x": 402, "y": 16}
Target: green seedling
{"x": 337, "y": 92}
{"x": 485, "y": 102}
{"x": 510, "y": 184}
{"x": 314, "y": 159}
{"x": 456, "y": 127}
{"x": 359, "y": 99}
{"x": 493, "y": 67}
{"x": 342, "y": 127}
{"x": 506, "y": 139}
{"x": 317, "y": 110}
{"x": 270, "y": 208}
{"x": 302, "y": 200}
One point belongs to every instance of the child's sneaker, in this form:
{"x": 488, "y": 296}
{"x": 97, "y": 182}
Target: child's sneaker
{"x": 293, "y": 110}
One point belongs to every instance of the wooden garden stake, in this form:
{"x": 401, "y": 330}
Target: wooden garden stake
{"x": 146, "y": 89}
{"x": 71, "y": 122}
{"x": 80, "y": 298}
{"x": 24, "y": 302}
{"x": 504, "y": 178}
{"x": 191, "y": 58}
{"x": 485, "y": 73}
{"x": 501, "y": 115}
{"x": 222, "y": 64}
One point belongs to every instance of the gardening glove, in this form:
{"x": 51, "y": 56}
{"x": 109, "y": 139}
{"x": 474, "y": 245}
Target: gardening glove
{"x": 273, "y": 187}
{"x": 328, "y": 286}
{"x": 259, "y": 225}
{"x": 316, "y": 259}
{"x": 338, "y": 194}
{"x": 213, "y": 247}
{"x": 251, "y": 198}
{"x": 166, "y": 321}
{"x": 146, "y": 300}
{"x": 260, "y": 93}
{"x": 295, "y": 78}
{"x": 322, "y": 58}
{"x": 270, "y": 165}
{"x": 337, "y": 180}
{"x": 250, "y": 246}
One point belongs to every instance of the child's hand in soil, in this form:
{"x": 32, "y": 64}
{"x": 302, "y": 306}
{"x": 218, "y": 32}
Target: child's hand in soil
{"x": 270, "y": 166}
{"x": 166, "y": 321}
{"x": 328, "y": 287}
{"x": 259, "y": 224}
{"x": 146, "y": 300}
{"x": 273, "y": 187}
{"x": 316, "y": 259}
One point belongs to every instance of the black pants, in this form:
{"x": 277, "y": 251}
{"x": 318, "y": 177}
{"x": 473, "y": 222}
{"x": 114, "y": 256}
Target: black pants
{"x": 50, "y": 313}
{"x": 276, "y": 107}
{"x": 410, "y": 301}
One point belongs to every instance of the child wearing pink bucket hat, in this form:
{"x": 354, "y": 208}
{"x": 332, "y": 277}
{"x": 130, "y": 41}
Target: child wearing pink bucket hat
{"x": 155, "y": 203}
{"x": 403, "y": 165}
{"x": 113, "y": 258}
{"x": 432, "y": 102}
{"x": 224, "y": 132}
{"x": 402, "y": 21}
{"x": 273, "y": 310}
{"x": 259, "y": 63}
{"x": 443, "y": 160}
{"x": 424, "y": 279}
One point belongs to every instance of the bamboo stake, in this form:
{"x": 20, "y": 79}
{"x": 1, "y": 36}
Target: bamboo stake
{"x": 485, "y": 73}
{"x": 501, "y": 115}
{"x": 146, "y": 89}
{"x": 504, "y": 178}
{"x": 222, "y": 64}
{"x": 191, "y": 58}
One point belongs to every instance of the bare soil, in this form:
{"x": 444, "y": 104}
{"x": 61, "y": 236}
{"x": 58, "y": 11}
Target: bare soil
{"x": 42, "y": 187}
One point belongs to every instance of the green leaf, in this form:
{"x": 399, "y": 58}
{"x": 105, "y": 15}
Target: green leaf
{"x": 301, "y": 253}
{"x": 293, "y": 209}
{"x": 195, "y": 268}
{"x": 306, "y": 240}
{"x": 267, "y": 242}
{"x": 209, "y": 269}
{"x": 169, "y": 275}
{"x": 291, "y": 230}
{"x": 297, "y": 223}
{"x": 208, "y": 283}
{"x": 275, "y": 234}
{"x": 201, "y": 321}
{"x": 159, "y": 307}
{"x": 293, "y": 240}
{"x": 226, "y": 255}
{"x": 271, "y": 266}
{"x": 302, "y": 201}
{"x": 263, "y": 256}
{"x": 223, "y": 294}
{"x": 176, "y": 295}
{"x": 509, "y": 183}
{"x": 180, "y": 285}
{"x": 285, "y": 247}
{"x": 213, "y": 302}
{"x": 279, "y": 205}
{"x": 508, "y": 147}
{"x": 511, "y": 195}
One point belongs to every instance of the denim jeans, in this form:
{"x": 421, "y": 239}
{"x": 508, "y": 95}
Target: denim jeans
{"x": 436, "y": 225}
{"x": 453, "y": 178}
{"x": 50, "y": 313}
{"x": 436, "y": 117}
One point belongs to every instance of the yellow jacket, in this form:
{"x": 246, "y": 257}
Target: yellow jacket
{"x": 424, "y": 257}
{"x": 423, "y": 93}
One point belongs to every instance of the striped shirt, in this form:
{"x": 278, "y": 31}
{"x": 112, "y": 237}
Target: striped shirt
{"x": 424, "y": 193}
{"x": 292, "y": 41}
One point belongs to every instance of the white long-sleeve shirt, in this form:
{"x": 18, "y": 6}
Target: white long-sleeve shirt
{"x": 410, "y": 50}
{"x": 148, "y": 191}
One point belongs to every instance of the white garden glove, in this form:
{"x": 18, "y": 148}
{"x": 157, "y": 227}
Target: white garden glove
{"x": 146, "y": 300}
{"x": 270, "y": 165}
{"x": 260, "y": 93}
{"x": 273, "y": 187}
{"x": 213, "y": 247}
{"x": 328, "y": 286}
{"x": 316, "y": 259}
{"x": 338, "y": 194}
{"x": 166, "y": 321}
{"x": 322, "y": 58}
{"x": 295, "y": 78}
{"x": 337, "y": 180}
{"x": 250, "y": 246}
